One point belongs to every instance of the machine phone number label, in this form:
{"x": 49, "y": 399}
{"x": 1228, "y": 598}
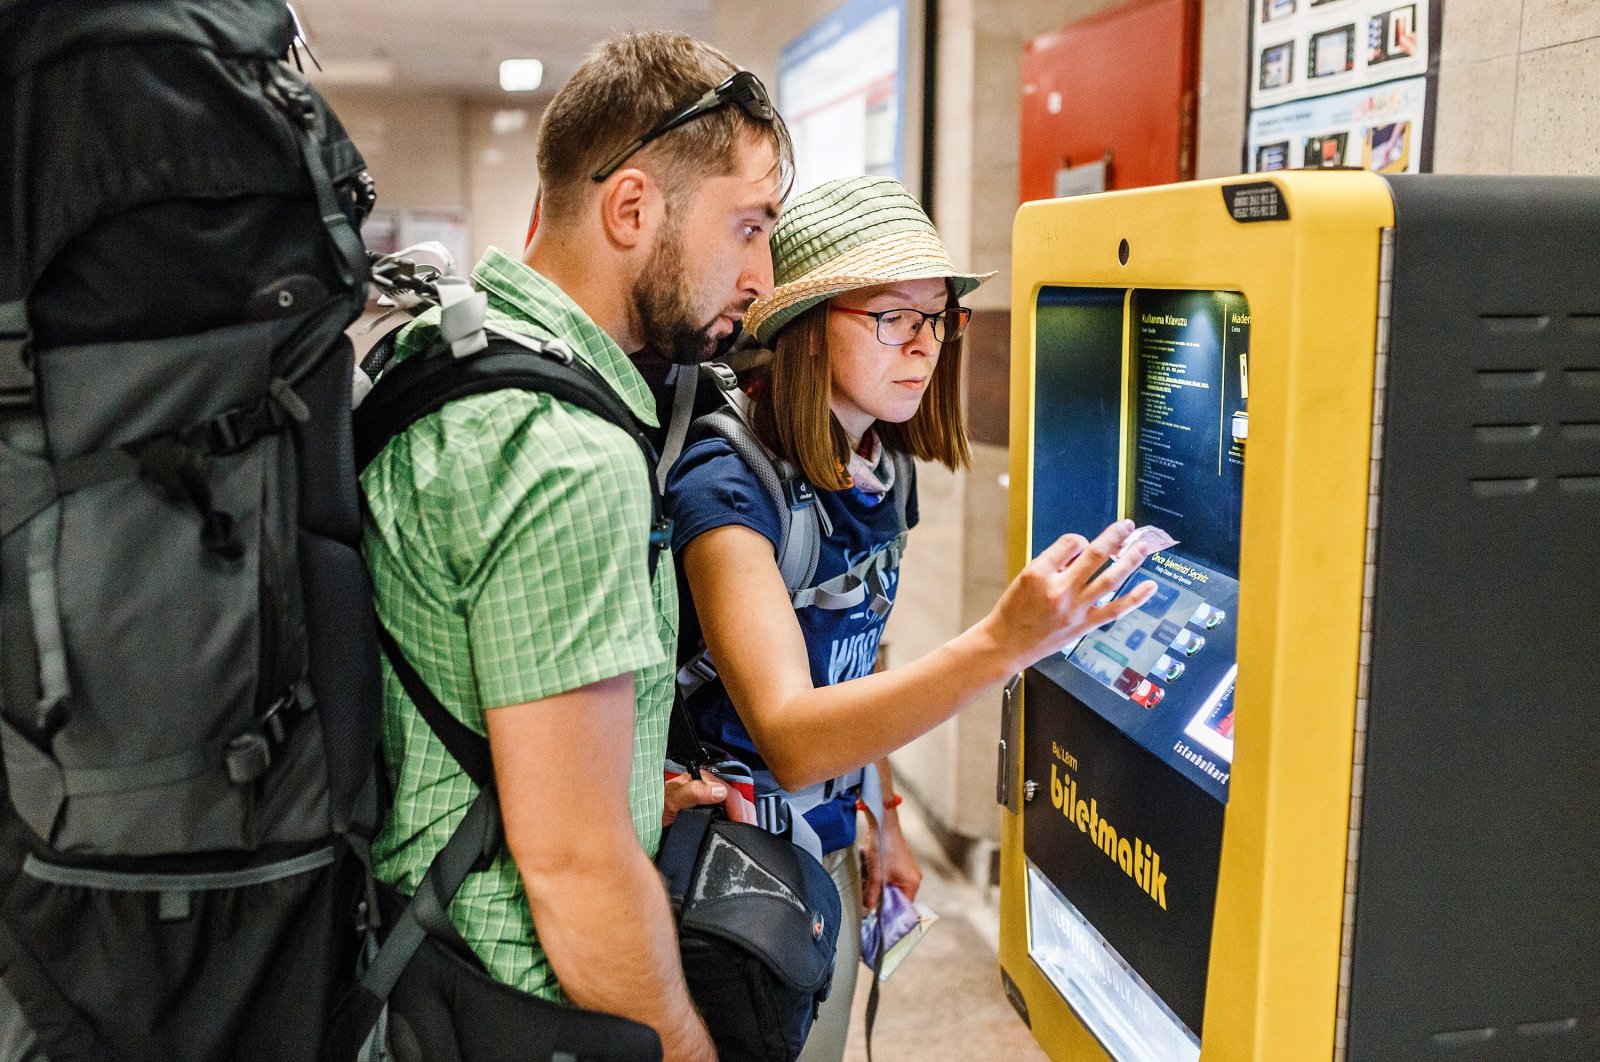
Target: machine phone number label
{"x": 1259, "y": 201}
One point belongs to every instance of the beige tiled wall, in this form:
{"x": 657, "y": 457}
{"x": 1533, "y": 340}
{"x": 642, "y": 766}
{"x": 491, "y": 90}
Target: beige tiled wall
{"x": 412, "y": 143}
{"x": 428, "y": 151}
{"x": 1555, "y": 121}
{"x": 501, "y": 177}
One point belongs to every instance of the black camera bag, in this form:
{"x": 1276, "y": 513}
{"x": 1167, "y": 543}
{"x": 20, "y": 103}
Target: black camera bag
{"x": 758, "y": 921}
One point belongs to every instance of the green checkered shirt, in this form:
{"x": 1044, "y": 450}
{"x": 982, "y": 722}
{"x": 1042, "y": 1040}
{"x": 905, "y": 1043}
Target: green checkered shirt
{"x": 507, "y": 544}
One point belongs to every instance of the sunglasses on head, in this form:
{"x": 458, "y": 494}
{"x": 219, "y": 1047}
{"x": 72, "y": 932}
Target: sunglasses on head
{"x": 744, "y": 90}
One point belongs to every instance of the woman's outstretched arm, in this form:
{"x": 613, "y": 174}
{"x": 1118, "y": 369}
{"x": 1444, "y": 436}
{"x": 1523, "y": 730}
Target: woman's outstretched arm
{"x": 808, "y": 734}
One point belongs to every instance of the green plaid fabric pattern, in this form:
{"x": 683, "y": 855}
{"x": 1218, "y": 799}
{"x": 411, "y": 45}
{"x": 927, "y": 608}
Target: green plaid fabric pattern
{"x": 507, "y": 544}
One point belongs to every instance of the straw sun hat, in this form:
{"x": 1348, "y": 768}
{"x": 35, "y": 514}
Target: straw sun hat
{"x": 854, "y": 232}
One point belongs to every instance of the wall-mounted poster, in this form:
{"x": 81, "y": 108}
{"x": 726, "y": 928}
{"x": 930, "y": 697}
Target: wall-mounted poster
{"x": 1343, "y": 83}
{"x": 841, "y": 88}
{"x": 1332, "y": 52}
{"x": 1277, "y": 65}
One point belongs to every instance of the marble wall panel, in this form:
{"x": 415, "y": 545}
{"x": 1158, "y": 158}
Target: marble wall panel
{"x": 1557, "y": 124}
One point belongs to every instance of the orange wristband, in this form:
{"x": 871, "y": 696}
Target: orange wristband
{"x": 893, "y": 802}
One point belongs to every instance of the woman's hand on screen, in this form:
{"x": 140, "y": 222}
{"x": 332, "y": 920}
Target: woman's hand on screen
{"x": 1063, "y": 593}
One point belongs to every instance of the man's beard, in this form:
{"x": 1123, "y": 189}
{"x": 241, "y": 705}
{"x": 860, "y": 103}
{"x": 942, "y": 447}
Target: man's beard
{"x": 665, "y": 315}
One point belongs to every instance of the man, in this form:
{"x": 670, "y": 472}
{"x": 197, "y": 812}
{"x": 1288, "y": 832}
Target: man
{"x": 507, "y": 533}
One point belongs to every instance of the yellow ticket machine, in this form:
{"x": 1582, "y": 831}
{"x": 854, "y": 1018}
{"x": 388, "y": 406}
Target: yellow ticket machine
{"x": 1332, "y": 793}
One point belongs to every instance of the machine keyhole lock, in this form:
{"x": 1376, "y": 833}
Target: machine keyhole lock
{"x": 1030, "y": 789}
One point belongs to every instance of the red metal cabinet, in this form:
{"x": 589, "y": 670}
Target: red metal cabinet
{"x": 1122, "y": 81}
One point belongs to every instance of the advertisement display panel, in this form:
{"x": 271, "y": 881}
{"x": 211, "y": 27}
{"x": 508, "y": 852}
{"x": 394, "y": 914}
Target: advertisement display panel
{"x": 1342, "y": 83}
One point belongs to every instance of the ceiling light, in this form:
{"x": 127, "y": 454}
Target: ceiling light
{"x": 509, "y": 121}
{"x": 521, "y": 75}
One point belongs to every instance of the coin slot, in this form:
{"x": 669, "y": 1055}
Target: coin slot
{"x": 1581, "y": 432}
{"x": 1579, "y": 484}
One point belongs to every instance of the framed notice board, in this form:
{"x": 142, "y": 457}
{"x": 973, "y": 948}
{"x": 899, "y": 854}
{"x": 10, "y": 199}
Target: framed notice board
{"x": 1342, "y": 84}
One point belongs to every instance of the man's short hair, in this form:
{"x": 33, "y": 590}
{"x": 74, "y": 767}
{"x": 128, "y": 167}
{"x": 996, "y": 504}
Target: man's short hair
{"x": 624, "y": 88}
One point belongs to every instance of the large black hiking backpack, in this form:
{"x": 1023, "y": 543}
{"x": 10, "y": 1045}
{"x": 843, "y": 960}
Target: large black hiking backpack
{"x": 190, "y": 689}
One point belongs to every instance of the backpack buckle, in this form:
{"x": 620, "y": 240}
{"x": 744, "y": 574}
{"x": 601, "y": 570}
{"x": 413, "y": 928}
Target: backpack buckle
{"x": 236, "y": 429}
{"x": 16, "y": 377}
{"x": 661, "y": 533}
{"x": 247, "y": 758}
{"x": 273, "y": 721}
{"x": 701, "y": 667}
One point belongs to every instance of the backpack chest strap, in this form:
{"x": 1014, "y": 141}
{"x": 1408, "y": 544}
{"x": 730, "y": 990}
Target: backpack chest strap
{"x": 863, "y": 582}
{"x": 845, "y": 591}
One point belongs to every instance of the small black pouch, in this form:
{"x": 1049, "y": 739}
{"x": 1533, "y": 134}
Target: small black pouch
{"x": 758, "y": 922}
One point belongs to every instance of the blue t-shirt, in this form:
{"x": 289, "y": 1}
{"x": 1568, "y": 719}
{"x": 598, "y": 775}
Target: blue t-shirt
{"x": 712, "y": 487}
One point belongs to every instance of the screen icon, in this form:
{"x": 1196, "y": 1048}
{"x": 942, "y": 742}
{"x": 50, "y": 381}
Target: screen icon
{"x": 1147, "y": 693}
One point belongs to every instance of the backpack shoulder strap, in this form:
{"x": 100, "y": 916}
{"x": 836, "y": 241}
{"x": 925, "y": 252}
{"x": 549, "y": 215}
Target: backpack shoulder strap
{"x": 905, "y": 479}
{"x": 466, "y": 746}
{"x": 803, "y": 522}
{"x": 688, "y": 384}
{"x": 426, "y": 383}
{"x": 684, "y": 388}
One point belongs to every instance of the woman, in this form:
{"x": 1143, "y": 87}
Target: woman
{"x": 864, "y": 328}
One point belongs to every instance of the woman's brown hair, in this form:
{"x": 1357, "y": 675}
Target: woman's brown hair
{"x": 791, "y": 416}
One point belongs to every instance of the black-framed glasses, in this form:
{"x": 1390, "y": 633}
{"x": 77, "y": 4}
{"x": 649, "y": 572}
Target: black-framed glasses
{"x": 744, "y": 90}
{"x": 898, "y": 327}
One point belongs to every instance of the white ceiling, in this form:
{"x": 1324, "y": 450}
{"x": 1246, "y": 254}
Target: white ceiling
{"x": 456, "y": 45}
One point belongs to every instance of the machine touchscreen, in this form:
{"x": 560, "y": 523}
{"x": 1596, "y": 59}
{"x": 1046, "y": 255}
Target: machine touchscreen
{"x": 1164, "y": 674}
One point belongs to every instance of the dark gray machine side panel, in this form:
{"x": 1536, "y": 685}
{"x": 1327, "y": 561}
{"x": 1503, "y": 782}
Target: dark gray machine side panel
{"x": 1477, "y": 930}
